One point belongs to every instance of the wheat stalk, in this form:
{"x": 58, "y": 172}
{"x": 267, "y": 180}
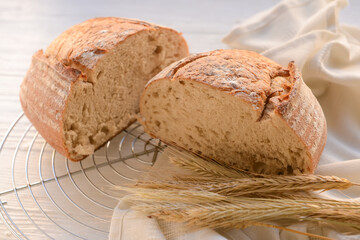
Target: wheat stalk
{"x": 176, "y": 214}
{"x": 337, "y": 216}
{"x": 224, "y": 196}
{"x": 315, "y": 200}
{"x": 249, "y": 209}
{"x": 194, "y": 197}
{"x": 245, "y": 186}
{"x": 206, "y": 167}
{"x": 241, "y": 212}
{"x": 182, "y": 196}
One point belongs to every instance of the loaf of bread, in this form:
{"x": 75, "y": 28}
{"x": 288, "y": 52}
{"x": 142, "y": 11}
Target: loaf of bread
{"x": 239, "y": 108}
{"x": 85, "y": 88}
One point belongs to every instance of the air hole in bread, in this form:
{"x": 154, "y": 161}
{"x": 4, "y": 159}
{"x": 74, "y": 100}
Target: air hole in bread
{"x": 190, "y": 137}
{"x": 100, "y": 73}
{"x": 85, "y": 110}
{"x": 92, "y": 141}
{"x": 73, "y": 127}
{"x": 289, "y": 169}
{"x": 155, "y": 70}
{"x": 158, "y": 49}
{"x": 259, "y": 167}
{"x": 200, "y": 131}
{"x": 105, "y": 130}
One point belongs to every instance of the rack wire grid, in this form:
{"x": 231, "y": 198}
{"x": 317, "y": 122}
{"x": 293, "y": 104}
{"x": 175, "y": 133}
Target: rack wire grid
{"x": 51, "y": 197}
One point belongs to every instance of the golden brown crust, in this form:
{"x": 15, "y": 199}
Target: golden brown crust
{"x": 84, "y": 44}
{"x": 43, "y": 96}
{"x": 302, "y": 112}
{"x": 266, "y": 85}
{"x": 70, "y": 57}
{"x": 237, "y": 72}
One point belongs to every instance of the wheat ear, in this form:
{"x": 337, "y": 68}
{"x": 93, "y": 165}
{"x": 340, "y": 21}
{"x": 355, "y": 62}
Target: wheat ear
{"x": 206, "y": 167}
{"x": 245, "y": 186}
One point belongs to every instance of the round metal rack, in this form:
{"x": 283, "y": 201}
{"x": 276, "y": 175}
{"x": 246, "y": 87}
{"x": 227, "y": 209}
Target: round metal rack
{"x": 51, "y": 197}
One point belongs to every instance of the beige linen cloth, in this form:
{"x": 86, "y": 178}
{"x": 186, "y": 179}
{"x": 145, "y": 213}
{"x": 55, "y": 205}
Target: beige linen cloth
{"x": 328, "y": 55}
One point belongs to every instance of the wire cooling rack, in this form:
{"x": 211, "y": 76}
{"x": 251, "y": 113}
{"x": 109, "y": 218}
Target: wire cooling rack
{"x": 50, "y": 197}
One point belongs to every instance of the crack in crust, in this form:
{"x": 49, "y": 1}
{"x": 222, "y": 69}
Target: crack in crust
{"x": 269, "y": 105}
{"x": 241, "y": 73}
{"x": 266, "y": 104}
{"x": 181, "y": 64}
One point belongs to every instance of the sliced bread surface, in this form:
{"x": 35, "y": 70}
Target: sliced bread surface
{"x": 85, "y": 88}
{"x": 239, "y": 108}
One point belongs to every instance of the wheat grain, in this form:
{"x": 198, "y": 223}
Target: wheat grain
{"x": 245, "y": 186}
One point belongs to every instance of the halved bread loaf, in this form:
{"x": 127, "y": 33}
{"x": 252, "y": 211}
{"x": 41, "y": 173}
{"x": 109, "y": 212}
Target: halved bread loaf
{"x": 85, "y": 88}
{"x": 237, "y": 107}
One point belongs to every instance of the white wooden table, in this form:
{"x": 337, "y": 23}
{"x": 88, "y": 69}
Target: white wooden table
{"x": 26, "y": 26}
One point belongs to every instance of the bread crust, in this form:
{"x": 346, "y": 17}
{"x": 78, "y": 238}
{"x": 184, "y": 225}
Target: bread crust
{"x": 303, "y": 113}
{"x": 43, "y": 97}
{"x": 251, "y": 77}
{"x": 237, "y": 72}
{"x": 71, "y": 57}
{"x": 84, "y": 44}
